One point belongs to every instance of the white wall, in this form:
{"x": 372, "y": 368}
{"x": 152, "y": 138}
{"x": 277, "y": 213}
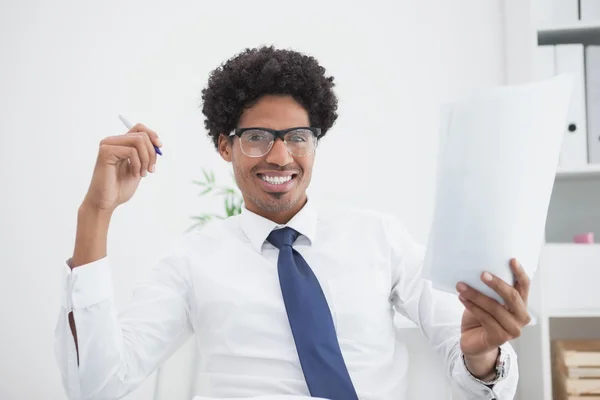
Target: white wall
{"x": 68, "y": 68}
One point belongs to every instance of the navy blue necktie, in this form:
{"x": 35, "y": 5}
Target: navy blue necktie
{"x": 311, "y": 322}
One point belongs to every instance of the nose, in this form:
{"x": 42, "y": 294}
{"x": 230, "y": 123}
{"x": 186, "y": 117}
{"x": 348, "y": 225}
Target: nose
{"x": 279, "y": 154}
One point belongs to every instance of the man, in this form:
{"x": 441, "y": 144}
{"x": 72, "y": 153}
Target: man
{"x": 282, "y": 300}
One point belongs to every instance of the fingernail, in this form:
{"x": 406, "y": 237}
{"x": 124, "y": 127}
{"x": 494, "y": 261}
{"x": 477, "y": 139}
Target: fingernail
{"x": 461, "y": 287}
{"x": 487, "y": 277}
{"x": 152, "y": 167}
{"x": 144, "y": 173}
{"x": 158, "y": 142}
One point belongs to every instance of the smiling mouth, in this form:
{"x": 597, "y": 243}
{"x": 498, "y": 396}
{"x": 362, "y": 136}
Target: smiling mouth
{"x": 276, "y": 180}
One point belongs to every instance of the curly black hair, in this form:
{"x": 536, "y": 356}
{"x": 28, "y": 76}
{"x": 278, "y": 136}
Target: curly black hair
{"x": 243, "y": 79}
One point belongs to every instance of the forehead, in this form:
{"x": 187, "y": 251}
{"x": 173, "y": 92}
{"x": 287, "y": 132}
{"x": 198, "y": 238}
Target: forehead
{"x": 275, "y": 112}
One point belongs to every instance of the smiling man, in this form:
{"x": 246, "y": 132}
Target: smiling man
{"x": 272, "y": 187}
{"x": 284, "y": 301}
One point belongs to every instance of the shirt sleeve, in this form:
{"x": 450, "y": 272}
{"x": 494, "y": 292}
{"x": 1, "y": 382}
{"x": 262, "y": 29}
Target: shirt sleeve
{"x": 119, "y": 350}
{"x": 438, "y": 315}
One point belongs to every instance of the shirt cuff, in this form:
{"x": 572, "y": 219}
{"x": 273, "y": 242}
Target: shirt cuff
{"x": 87, "y": 284}
{"x": 469, "y": 383}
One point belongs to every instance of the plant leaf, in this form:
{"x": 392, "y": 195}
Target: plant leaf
{"x": 194, "y": 226}
{"x": 227, "y": 208}
{"x": 205, "y": 191}
{"x": 232, "y": 199}
{"x": 225, "y": 192}
{"x": 206, "y": 176}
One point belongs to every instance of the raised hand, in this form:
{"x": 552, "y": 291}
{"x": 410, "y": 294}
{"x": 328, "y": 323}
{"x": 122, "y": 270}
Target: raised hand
{"x": 121, "y": 163}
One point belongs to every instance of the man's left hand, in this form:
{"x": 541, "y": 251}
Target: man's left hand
{"x": 487, "y": 324}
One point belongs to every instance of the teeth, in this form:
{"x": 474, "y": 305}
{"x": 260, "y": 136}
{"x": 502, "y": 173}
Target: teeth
{"x": 275, "y": 180}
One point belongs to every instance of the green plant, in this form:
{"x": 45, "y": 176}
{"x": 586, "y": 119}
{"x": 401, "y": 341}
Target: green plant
{"x": 231, "y": 198}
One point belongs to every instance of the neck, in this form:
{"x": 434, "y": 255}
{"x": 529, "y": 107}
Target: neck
{"x": 281, "y": 217}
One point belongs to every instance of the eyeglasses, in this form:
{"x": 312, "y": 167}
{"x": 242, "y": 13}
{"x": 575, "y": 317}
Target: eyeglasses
{"x": 256, "y": 142}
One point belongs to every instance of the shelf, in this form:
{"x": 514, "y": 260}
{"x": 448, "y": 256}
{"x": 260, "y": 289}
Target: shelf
{"x": 579, "y": 32}
{"x": 569, "y": 276}
{"x": 574, "y": 313}
{"x": 586, "y": 171}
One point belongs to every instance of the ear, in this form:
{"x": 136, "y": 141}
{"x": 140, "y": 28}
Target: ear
{"x": 225, "y": 148}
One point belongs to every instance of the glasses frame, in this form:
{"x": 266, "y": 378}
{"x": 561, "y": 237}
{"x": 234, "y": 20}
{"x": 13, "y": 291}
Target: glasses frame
{"x": 277, "y": 134}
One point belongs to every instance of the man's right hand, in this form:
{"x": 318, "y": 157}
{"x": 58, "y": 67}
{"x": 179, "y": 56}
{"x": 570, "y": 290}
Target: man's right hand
{"x": 122, "y": 162}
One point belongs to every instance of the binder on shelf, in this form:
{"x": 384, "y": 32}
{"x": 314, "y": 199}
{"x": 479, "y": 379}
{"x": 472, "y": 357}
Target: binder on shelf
{"x": 569, "y": 58}
{"x": 565, "y": 11}
{"x": 592, "y": 88}
{"x": 589, "y": 10}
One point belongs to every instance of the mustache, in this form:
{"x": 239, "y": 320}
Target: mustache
{"x": 278, "y": 168}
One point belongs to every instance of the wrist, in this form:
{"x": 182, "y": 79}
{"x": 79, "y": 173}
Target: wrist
{"x": 92, "y": 235}
{"x": 88, "y": 211}
{"x": 483, "y": 366}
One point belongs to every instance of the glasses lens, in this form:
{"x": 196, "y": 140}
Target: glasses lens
{"x": 256, "y": 142}
{"x": 300, "y": 142}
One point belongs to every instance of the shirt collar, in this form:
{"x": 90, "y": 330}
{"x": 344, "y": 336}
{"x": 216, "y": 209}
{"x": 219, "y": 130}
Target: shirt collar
{"x": 257, "y": 228}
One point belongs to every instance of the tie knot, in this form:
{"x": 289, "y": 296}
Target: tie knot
{"x": 282, "y": 237}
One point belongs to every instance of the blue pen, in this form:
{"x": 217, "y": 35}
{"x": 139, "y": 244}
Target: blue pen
{"x": 128, "y": 125}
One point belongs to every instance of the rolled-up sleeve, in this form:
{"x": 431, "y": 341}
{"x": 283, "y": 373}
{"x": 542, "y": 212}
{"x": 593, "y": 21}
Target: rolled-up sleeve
{"x": 438, "y": 315}
{"x": 118, "y": 350}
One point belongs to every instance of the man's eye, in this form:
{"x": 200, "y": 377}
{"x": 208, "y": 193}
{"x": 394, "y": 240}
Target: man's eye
{"x": 297, "y": 138}
{"x": 256, "y": 137}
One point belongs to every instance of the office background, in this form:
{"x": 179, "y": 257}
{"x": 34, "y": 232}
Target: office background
{"x": 69, "y": 68}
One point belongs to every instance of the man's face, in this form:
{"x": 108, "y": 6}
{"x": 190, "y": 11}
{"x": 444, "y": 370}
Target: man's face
{"x": 273, "y": 185}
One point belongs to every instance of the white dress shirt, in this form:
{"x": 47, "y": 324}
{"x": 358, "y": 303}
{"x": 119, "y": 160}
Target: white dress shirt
{"x": 220, "y": 284}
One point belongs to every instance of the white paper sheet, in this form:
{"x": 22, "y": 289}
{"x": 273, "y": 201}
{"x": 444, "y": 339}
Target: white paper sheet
{"x": 495, "y": 177}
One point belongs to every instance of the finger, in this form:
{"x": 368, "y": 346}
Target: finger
{"x": 504, "y": 317}
{"x": 487, "y": 320}
{"x": 511, "y": 295}
{"x": 134, "y": 139}
{"x": 149, "y": 149}
{"x": 135, "y": 165}
{"x": 140, "y": 144}
{"x": 123, "y": 153}
{"x": 523, "y": 282}
{"x": 130, "y": 139}
{"x": 153, "y": 135}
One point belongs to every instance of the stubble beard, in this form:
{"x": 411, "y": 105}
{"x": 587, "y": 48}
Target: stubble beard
{"x": 274, "y": 202}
